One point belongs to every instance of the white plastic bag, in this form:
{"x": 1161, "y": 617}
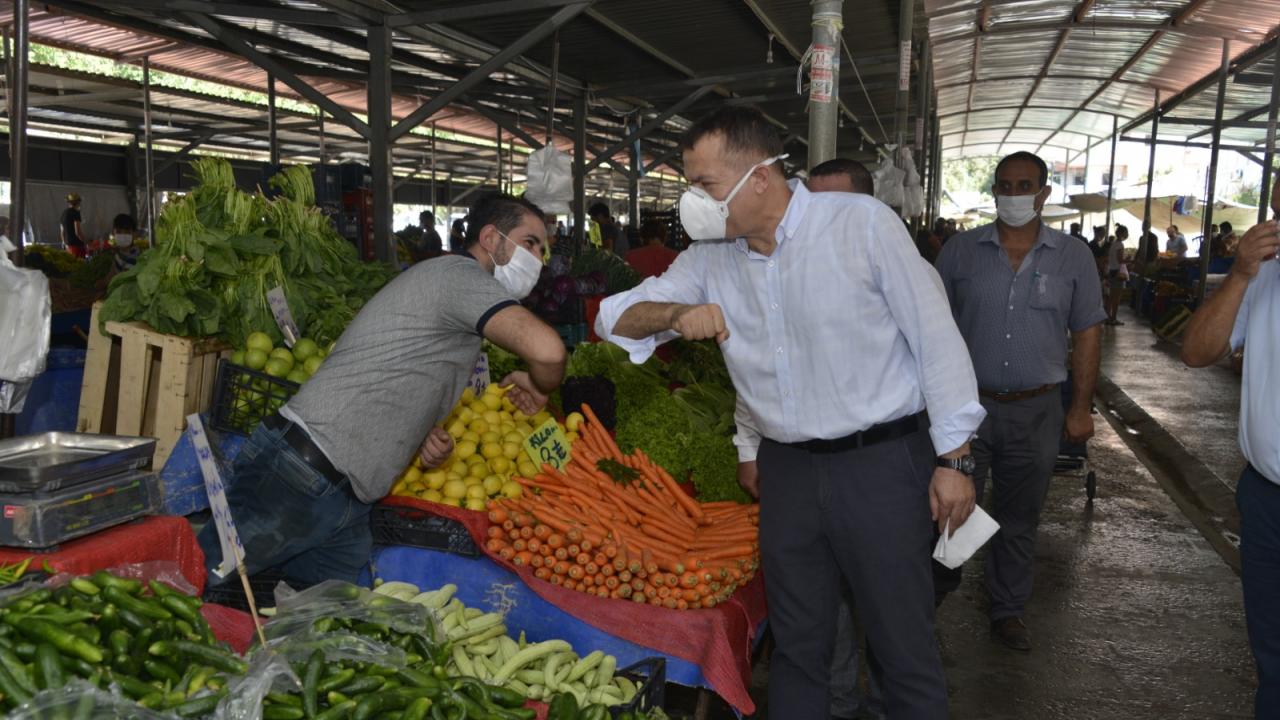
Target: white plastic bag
{"x": 25, "y": 309}
{"x": 550, "y": 184}
{"x": 888, "y": 179}
{"x": 912, "y": 191}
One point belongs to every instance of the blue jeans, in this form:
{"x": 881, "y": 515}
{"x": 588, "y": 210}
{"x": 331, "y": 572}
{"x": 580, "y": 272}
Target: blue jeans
{"x": 291, "y": 516}
{"x": 1259, "y": 502}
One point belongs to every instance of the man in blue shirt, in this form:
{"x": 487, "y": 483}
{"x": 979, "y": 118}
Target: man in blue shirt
{"x": 1245, "y": 311}
{"x": 1018, "y": 288}
{"x": 827, "y": 318}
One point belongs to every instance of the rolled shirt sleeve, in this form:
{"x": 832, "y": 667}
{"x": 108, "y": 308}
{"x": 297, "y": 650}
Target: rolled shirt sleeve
{"x": 682, "y": 284}
{"x": 747, "y": 436}
{"x": 1242, "y": 318}
{"x": 916, "y": 299}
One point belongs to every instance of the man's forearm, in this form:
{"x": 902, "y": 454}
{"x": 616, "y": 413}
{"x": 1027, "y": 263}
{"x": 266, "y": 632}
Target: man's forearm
{"x": 1208, "y": 333}
{"x": 1086, "y": 355}
{"x": 957, "y": 453}
{"x": 546, "y": 376}
{"x": 644, "y": 319}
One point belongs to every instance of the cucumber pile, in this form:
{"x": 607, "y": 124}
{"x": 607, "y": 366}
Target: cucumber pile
{"x": 149, "y": 641}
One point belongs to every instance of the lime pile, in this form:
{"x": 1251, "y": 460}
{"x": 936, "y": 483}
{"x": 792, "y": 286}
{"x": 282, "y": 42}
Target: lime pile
{"x": 488, "y": 432}
{"x": 256, "y": 398}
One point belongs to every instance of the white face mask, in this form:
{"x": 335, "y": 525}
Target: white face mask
{"x": 123, "y": 239}
{"x": 1016, "y": 210}
{"x": 706, "y": 218}
{"x": 520, "y": 273}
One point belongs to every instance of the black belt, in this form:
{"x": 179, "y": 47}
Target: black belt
{"x": 891, "y": 430}
{"x": 296, "y": 438}
{"x": 1018, "y": 394}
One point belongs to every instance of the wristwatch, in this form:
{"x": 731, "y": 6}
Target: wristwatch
{"x": 964, "y": 464}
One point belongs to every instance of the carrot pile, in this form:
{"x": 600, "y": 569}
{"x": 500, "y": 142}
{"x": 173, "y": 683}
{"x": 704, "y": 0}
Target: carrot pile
{"x": 642, "y": 539}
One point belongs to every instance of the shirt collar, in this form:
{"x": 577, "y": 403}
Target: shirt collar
{"x": 800, "y": 199}
{"x": 1048, "y": 236}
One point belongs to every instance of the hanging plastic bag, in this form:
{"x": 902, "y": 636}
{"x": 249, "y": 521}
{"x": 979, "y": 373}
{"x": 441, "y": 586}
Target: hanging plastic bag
{"x": 888, "y": 179}
{"x": 78, "y": 699}
{"x": 25, "y": 309}
{"x": 550, "y": 183}
{"x": 912, "y": 191}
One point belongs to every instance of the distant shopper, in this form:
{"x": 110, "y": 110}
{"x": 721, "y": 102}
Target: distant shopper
{"x": 610, "y": 234}
{"x": 1177, "y": 244}
{"x": 1019, "y": 290}
{"x": 1098, "y": 245}
{"x": 124, "y": 235}
{"x": 73, "y": 238}
{"x": 457, "y": 236}
{"x": 1117, "y": 274}
{"x": 654, "y": 257}
{"x": 1228, "y": 240}
{"x": 841, "y": 175}
{"x": 7, "y": 249}
{"x": 1245, "y": 312}
{"x": 1075, "y": 233}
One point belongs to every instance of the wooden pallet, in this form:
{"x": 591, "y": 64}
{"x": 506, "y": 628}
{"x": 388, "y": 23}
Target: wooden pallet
{"x": 141, "y": 382}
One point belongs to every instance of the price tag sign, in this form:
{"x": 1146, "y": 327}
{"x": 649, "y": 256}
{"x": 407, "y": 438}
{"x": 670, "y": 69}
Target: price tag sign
{"x": 480, "y": 375}
{"x": 822, "y": 73}
{"x": 548, "y": 445}
{"x": 232, "y": 550}
{"x": 284, "y": 317}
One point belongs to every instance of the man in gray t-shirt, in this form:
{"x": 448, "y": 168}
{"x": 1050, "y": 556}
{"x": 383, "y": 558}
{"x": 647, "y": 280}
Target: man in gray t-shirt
{"x": 301, "y": 489}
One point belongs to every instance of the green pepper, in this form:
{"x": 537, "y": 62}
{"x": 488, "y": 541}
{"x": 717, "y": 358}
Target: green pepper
{"x": 594, "y": 712}
{"x": 311, "y": 683}
{"x": 282, "y": 712}
{"x": 338, "y": 711}
{"x": 335, "y": 680}
{"x": 48, "y": 668}
{"x": 10, "y": 661}
{"x": 171, "y": 649}
{"x": 13, "y": 693}
{"x": 145, "y": 608}
{"x": 132, "y": 686}
{"x": 67, "y": 642}
{"x": 161, "y": 671}
{"x": 563, "y": 707}
{"x": 199, "y": 707}
{"x": 104, "y": 580}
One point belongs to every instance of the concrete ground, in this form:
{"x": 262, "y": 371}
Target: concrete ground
{"x": 1199, "y": 407}
{"x": 1134, "y": 615}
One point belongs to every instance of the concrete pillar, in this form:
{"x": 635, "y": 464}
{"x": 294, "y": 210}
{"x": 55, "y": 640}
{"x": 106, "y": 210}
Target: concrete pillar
{"x": 824, "y": 80}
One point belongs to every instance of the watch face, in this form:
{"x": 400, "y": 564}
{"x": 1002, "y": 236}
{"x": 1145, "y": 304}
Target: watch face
{"x": 968, "y": 464}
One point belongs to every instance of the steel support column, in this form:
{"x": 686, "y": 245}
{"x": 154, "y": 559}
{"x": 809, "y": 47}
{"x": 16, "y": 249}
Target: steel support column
{"x": 579, "y": 173}
{"x": 434, "y": 199}
{"x": 1111, "y": 177}
{"x": 380, "y": 163}
{"x": 18, "y": 127}
{"x": 1151, "y": 178}
{"x": 824, "y": 92}
{"x": 1206, "y": 242}
{"x": 273, "y": 141}
{"x": 1269, "y": 154}
{"x": 653, "y": 124}
{"x": 320, "y": 131}
{"x": 149, "y": 175}
{"x": 499, "y": 158}
{"x": 633, "y": 185}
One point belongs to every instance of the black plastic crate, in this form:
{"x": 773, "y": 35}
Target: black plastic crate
{"x": 396, "y": 525}
{"x": 242, "y": 398}
{"x": 650, "y": 677}
{"x": 263, "y": 584}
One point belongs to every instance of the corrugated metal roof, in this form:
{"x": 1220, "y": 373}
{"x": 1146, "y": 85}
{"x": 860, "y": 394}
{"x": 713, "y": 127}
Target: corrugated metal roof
{"x": 1068, "y": 82}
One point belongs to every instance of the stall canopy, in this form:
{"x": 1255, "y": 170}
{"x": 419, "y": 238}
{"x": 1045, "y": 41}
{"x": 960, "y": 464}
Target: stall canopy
{"x": 472, "y": 70}
{"x": 1040, "y": 74}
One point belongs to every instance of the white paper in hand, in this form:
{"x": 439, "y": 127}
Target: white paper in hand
{"x": 974, "y": 533}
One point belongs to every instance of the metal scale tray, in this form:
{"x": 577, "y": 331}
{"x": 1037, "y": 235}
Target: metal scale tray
{"x": 49, "y": 461}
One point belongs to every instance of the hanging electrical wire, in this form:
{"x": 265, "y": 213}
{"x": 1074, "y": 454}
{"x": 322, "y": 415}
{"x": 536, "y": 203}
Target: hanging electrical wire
{"x": 853, "y": 63}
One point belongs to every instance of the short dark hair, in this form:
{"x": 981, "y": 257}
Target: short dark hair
{"x": 597, "y": 210}
{"x": 745, "y": 128}
{"x": 502, "y": 211}
{"x": 857, "y": 172}
{"x": 1225, "y": 227}
{"x": 1075, "y": 227}
{"x": 1122, "y": 229}
{"x": 124, "y": 221}
{"x": 653, "y": 230}
{"x": 1025, "y": 156}
{"x": 459, "y": 227}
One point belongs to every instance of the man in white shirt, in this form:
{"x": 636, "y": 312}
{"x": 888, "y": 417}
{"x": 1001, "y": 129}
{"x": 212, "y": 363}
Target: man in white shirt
{"x": 1177, "y": 245}
{"x": 827, "y": 317}
{"x": 1245, "y": 311}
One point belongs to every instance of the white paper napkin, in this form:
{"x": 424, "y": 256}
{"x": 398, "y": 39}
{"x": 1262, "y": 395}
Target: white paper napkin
{"x": 973, "y": 534}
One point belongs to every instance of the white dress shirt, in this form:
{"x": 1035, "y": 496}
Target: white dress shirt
{"x": 843, "y": 327}
{"x": 1257, "y": 328}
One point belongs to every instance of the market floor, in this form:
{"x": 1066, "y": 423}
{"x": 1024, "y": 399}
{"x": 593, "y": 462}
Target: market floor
{"x": 1134, "y": 615}
{"x": 1199, "y": 407}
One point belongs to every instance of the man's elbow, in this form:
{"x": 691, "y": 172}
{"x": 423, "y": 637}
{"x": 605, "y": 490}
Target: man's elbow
{"x": 1195, "y": 357}
{"x": 549, "y": 352}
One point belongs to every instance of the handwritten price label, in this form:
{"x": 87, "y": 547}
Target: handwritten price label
{"x": 283, "y": 315}
{"x": 228, "y": 537}
{"x": 548, "y": 445}
{"x": 480, "y": 375}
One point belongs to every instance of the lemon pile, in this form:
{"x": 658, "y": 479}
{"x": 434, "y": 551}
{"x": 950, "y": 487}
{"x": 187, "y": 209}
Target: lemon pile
{"x": 488, "y": 433}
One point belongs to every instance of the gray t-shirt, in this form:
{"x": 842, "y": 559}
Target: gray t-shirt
{"x": 398, "y": 369}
